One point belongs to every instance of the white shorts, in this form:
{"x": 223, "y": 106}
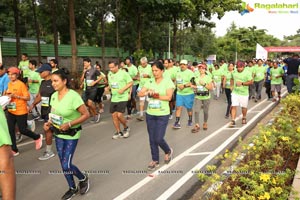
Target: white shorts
{"x": 238, "y": 100}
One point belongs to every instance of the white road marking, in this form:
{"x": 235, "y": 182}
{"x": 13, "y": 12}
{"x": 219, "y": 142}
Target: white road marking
{"x": 199, "y": 154}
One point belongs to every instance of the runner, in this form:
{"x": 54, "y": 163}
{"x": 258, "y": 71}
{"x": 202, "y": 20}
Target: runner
{"x": 133, "y": 72}
{"x": 17, "y": 110}
{"x": 145, "y": 73}
{"x": 34, "y": 81}
{"x": 159, "y": 90}
{"x": 293, "y": 72}
{"x": 120, "y": 83}
{"x": 4, "y": 80}
{"x": 91, "y": 80}
{"x": 240, "y": 81}
{"x": 100, "y": 90}
{"x": 226, "y": 85}
{"x": 24, "y": 67}
{"x": 44, "y": 96}
{"x": 201, "y": 85}
{"x": 268, "y": 82}
{"x": 276, "y": 74}
{"x": 217, "y": 74}
{"x": 259, "y": 75}
{"x": 54, "y": 65}
{"x": 68, "y": 112}
{"x": 185, "y": 94}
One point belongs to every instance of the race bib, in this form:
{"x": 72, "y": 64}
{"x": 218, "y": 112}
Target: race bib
{"x": 179, "y": 81}
{"x": 227, "y": 83}
{"x": 56, "y": 120}
{"x": 114, "y": 86}
{"x": 154, "y": 105}
{"x": 89, "y": 82}
{"x": 12, "y": 106}
{"x": 200, "y": 88}
{"x": 45, "y": 101}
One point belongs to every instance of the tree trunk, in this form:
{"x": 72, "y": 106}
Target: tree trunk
{"x": 73, "y": 36}
{"x": 139, "y": 29}
{"x": 102, "y": 21}
{"x": 174, "y": 37}
{"x": 37, "y": 28}
{"x": 16, "y": 17}
{"x": 54, "y": 27}
{"x": 117, "y": 28}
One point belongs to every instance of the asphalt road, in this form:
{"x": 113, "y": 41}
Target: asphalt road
{"x": 118, "y": 168}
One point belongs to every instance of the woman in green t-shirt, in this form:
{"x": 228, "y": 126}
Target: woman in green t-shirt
{"x": 67, "y": 113}
{"x": 201, "y": 85}
{"x": 226, "y": 85}
{"x": 159, "y": 91}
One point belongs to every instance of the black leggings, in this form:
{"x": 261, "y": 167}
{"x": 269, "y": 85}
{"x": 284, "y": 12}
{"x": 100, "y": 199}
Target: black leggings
{"x": 228, "y": 96}
{"x": 21, "y": 121}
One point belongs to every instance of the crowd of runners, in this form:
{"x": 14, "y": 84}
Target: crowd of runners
{"x": 154, "y": 92}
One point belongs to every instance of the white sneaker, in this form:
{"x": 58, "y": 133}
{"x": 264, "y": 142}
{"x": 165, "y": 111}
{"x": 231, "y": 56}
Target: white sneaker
{"x": 31, "y": 125}
{"x": 170, "y": 117}
{"x": 126, "y": 132}
{"x": 47, "y": 155}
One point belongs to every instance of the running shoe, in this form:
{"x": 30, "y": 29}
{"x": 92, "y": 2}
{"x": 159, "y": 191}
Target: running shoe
{"x": 126, "y": 132}
{"x": 140, "y": 118}
{"x": 35, "y": 117}
{"x": 69, "y": 194}
{"x": 118, "y": 135}
{"x": 170, "y": 117}
{"x": 84, "y": 185}
{"x": 19, "y": 138}
{"x": 232, "y": 124}
{"x": 176, "y": 125}
{"x": 47, "y": 155}
{"x": 190, "y": 123}
{"x": 15, "y": 153}
{"x": 153, "y": 165}
{"x": 97, "y": 118}
{"x": 39, "y": 142}
{"x": 170, "y": 157}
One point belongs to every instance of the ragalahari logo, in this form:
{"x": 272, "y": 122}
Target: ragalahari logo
{"x": 247, "y": 8}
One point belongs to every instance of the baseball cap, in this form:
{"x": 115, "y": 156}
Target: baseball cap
{"x": 13, "y": 70}
{"x": 44, "y": 67}
{"x": 185, "y": 62}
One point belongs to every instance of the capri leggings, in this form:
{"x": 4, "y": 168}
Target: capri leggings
{"x": 65, "y": 150}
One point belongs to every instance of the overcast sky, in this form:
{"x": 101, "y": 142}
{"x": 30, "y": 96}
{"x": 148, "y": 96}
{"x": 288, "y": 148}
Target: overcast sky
{"x": 276, "y": 24}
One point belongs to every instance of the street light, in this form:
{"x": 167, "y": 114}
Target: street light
{"x": 236, "y": 51}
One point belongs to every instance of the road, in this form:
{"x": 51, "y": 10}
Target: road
{"x": 118, "y": 168}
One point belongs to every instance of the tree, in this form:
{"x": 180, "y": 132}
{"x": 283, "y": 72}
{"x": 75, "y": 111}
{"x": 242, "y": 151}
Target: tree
{"x": 17, "y": 30}
{"x": 37, "y": 28}
{"x": 73, "y": 35}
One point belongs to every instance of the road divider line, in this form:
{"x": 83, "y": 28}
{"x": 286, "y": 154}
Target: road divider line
{"x": 199, "y": 154}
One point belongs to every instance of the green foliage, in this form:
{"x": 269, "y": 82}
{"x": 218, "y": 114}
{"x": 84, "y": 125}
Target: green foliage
{"x": 267, "y": 170}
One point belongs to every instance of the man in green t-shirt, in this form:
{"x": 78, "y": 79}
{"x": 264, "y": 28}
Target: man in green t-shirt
{"x": 34, "y": 82}
{"x": 185, "y": 94}
{"x": 259, "y": 73}
{"x": 120, "y": 83}
{"x": 276, "y": 74}
{"x": 145, "y": 73}
{"x": 7, "y": 169}
{"x": 240, "y": 81}
{"x": 24, "y": 66}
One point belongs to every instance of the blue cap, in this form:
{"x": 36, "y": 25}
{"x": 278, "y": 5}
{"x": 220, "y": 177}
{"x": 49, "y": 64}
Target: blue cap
{"x": 44, "y": 67}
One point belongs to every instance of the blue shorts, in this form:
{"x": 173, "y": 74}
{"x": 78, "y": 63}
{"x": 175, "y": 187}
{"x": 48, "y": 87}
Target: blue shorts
{"x": 186, "y": 101}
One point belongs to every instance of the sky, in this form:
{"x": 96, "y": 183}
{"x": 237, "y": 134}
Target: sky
{"x": 278, "y": 22}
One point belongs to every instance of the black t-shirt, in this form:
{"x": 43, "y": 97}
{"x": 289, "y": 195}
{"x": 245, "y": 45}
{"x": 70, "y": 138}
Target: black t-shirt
{"x": 46, "y": 90}
{"x": 292, "y": 65}
{"x": 91, "y": 75}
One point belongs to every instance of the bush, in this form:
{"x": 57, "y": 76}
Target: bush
{"x": 268, "y": 167}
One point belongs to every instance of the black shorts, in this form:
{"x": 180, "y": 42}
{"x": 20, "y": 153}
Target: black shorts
{"x": 99, "y": 95}
{"x": 90, "y": 94}
{"x": 174, "y": 96}
{"x": 118, "y": 106}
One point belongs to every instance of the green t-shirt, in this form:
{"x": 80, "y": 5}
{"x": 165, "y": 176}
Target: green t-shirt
{"x": 217, "y": 75}
{"x": 259, "y": 73}
{"x": 159, "y": 107}
{"x": 4, "y": 133}
{"x": 173, "y": 72}
{"x": 65, "y": 110}
{"x": 200, "y": 88}
{"x": 184, "y": 77}
{"x": 102, "y": 81}
{"x": 144, "y": 71}
{"x": 116, "y": 82}
{"x": 24, "y": 66}
{"x": 276, "y": 72}
{"x": 133, "y": 71}
{"x": 34, "y": 87}
{"x": 243, "y": 76}
{"x": 228, "y": 76}
{"x": 224, "y": 67}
